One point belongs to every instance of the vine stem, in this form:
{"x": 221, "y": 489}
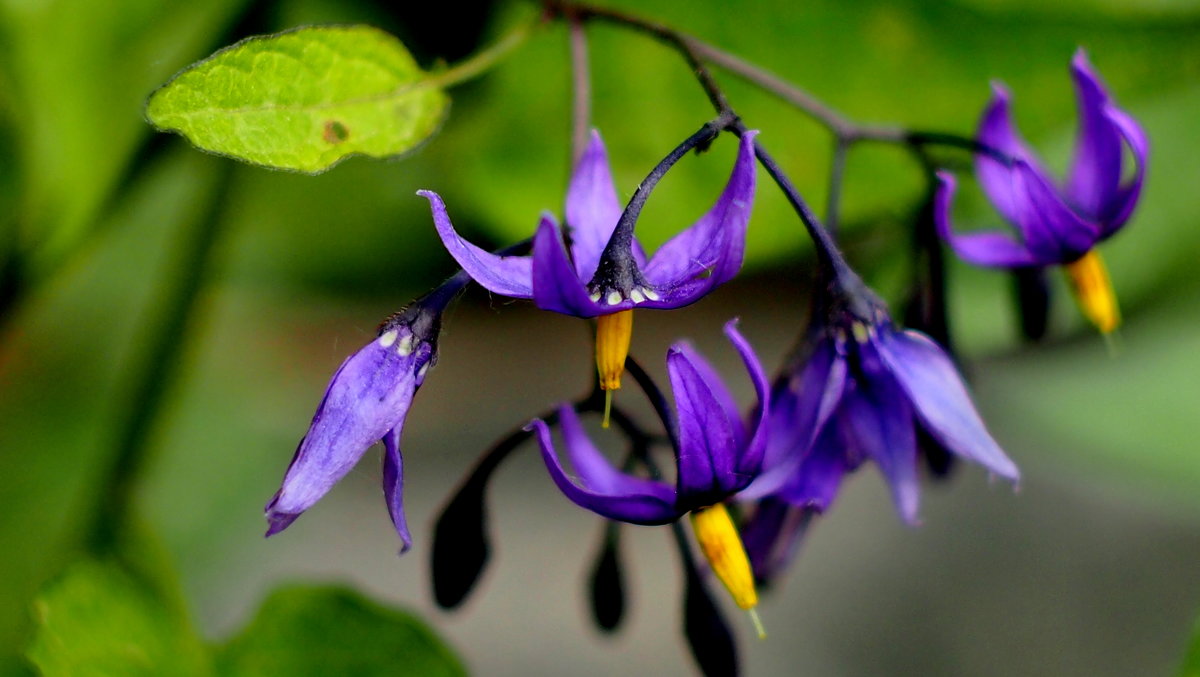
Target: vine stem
{"x": 846, "y": 132}
{"x": 482, "y": 61}
{"x": 581, "y": 97}
{"x": 167, "y": 336}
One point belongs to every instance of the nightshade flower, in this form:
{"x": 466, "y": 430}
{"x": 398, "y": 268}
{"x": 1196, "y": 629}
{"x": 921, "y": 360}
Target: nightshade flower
{"x": 1058, "y": 224}
{"x": 366, "y": 401}
{"x": 600, "y": 270}
{"x": 861, "y": 393}
{"x": 717, "y": 456}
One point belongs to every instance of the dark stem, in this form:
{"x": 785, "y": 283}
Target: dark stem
{"x": 167, "y": 337}
{"x": 621, "y": 240}
{"x": 827, "y": 249}
{"x": 836, "y": 173}
{"x": 656, "y": 397}
{"x": 581, "y": 100}
{"x": 698, "y": 53}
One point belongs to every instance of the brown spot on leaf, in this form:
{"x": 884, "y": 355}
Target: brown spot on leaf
{"x": 335, "y": 132}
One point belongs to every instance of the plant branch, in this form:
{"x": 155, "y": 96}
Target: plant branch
{"x": 156, "y": 368}
{"x": 581, "y": 100}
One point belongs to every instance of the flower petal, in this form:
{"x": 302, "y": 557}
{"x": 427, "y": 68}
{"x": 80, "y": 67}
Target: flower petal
{"x": 1052, "y": 231}
{"x": 983, "y": 249}
{"x": 877, "y": 421}
{"x": 818, "y": 478}
{"x": 772, "y": 537}
{"x": 941, "y": 401}
{"x": 717, "y": 386}
{"x": 393, "y": 485}
{"x": 368, "y": 396}
{"x": 1095, "y": 174}
{"x": 750, "y": 460}
{"x": 707, "y": 451}
{"x": 1121, "y": 206}
{"x": 605, "y": 490}
{"x": 556, "y": 287}
{"x": 800, "y": 407}
{"x": 716, "y": 242}
{"x": 996, "y": 129}
{"x": 592, "y": 208}
{"x": 505, "y": 275}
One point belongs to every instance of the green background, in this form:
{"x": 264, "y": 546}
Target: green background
{"x": 1090, "y": 569}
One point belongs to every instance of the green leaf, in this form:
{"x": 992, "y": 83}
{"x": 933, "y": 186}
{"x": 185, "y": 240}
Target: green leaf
{"x": 303, "y": 99}
{"x": 321, "y": 631}
{"x": 98, "y": 620}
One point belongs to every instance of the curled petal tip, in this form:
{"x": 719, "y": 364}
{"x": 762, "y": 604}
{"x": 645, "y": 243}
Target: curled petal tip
{"x": 1080, "y": 60}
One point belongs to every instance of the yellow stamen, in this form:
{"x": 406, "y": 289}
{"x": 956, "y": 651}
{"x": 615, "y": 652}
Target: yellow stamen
{"x": 1094, "y": 292}
{"x": 722, "y": 546}
{"x": 607, "y": 408}
{"x": 612, "y": 346}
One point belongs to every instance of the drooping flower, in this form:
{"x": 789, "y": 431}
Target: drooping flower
{"x": 862, "y": 391}
{"x": 596, "y": 267}
{"x": 717, "y": 456}
{"x": 1057, "y": 224}
{"x": 367, "y": 401}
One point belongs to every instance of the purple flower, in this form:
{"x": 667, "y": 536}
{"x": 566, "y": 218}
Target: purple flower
{"x": 717, "y": 456}
{"x": 366, "y": 401}
{"x": 1057, "y": 224}
{"x": 600, "y": 270}
{"x": 603, "y": 270}
{"x": 862, "y": 393}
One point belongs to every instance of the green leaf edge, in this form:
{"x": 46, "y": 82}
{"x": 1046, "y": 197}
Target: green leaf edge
{"x": 445, "y": 112}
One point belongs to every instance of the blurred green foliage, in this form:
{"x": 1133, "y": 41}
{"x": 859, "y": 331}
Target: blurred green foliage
{"x": 96, "y": 619}
{"x": 91, "y": 245}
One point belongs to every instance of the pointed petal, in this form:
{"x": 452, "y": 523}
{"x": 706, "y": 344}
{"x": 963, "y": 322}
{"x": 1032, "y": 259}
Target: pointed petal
{"x": 505, "y": 275}
{"x": 877, "y": 420}
{"x": 716, "y": 385}
{"x": 393, "y": 485}
{"x": 368, "y": 396}
{"x": 707, "y": 451}
{"x": 800, "y": 408}
{"x": 1052, "y": 231}
{"x": 940, "y": 399}
{"x": 983, "y": 249}
{"x": 749, "y": 461}
{"x": 635, "y": 500}
{"x": 818, "y": 478}
{"x": 716, "y": 242}
{"x": 1095, "y": 174}
{"x": 772, "y": 537}
{"x": 592, "y": 208}
{"x": 996, "y": 129}
{"x": 556, "y": 287}
{"x": 1120, "y": 207}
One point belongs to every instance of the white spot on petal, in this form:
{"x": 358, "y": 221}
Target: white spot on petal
{"x": 388, "y": 338}
{"x": 595, "y": 297}
{"x": 637, "y": 296}
{"x": 614, "y": 297}
{"x": 651, "y": 294}
{"x": 405, "y": 347}
{"x": 421, "y": 372}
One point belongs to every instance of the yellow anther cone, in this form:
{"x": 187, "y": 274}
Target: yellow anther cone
{"x": 613, "y": 333}
{"x": 722, "y": 547}
{"x": 1093, "y": 291}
